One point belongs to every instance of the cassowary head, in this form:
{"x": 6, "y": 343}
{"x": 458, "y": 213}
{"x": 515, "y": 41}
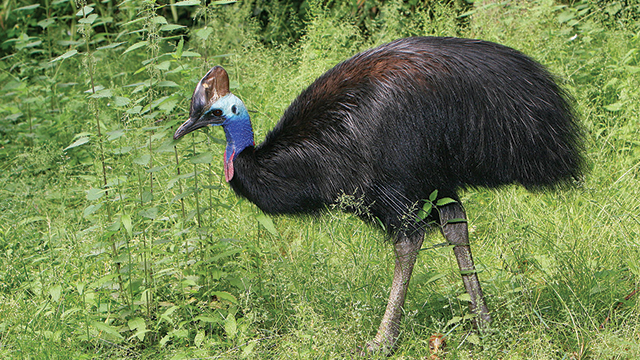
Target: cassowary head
{"x": 213, "y": 104}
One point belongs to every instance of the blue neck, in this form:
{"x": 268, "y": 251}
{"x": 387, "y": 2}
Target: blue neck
{"x": 239, "y": 136}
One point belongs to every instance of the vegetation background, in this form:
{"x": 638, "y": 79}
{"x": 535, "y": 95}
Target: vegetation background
{"x": 118, "y": 242}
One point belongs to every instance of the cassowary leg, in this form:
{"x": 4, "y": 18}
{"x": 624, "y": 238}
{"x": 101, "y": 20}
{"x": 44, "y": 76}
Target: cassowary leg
{"x": 406, "y": 249}
{"x": 457, "y": 234}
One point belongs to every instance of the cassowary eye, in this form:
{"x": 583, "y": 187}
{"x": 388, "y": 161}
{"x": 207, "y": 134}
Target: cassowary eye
{"x": 217, "y": 112}
{"x": 233, "y": 109}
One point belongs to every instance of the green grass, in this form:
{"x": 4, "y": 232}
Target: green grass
{"x": 162, "y": 260}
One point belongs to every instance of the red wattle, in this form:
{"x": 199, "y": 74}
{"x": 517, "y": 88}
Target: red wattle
{"x": 228, "y": 166}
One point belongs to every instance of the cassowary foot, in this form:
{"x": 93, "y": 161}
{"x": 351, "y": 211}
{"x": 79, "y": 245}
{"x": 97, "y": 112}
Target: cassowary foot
{"x": 406, "y": 250}
{"x": 375, "y": 348}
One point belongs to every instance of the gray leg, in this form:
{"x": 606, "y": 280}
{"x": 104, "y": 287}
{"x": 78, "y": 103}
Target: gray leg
{"x": 406, "y": 249}
{"x": 457, "y": 234}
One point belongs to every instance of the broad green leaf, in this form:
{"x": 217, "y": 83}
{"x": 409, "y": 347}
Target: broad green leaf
{"x": 474, "y": 339}
{"x": 140, "y": 334}
{"x": 94, "y": 89}
{"x": 166, "y": 315}
{"x": 223, "y": 2}
{"x": 116, "y": 134}
{"x": 134, "y": 21}
{"x": 45, "y": 23}
{"x": 464, "y": 297}
{"x": 55, "y": 292}
{"x": 444, "y": 201}
{"x": 189, "y": 282}
{"x": 199, "y": 338}
{"x": 433, "y": 196}
{"x": 111, "y": 46}
{"x": 95, "y": 194}
{"x": 142, "y": 160}
{"x": 106, "y": 280}
{"x": 66, "y": 55}
{"x": 134, "y": 110}
{"x": 164, "y": 340}
{"x": 85, "y": 11}
{"x": 187, "y": 3}
{"x": 126, "y": 222}
{"x": 179, "y": 196}
{"x": 178, "y": 52}
{"x": 89, "y": 210}
{"x": 565, "y": 16}
{"x": 105, "y": 93}
{"x": 160, "y": 135}
{"x": 180, "y": 333}
{"x": 632, "y": 69}
{"x": 150, "y": 213}
{"x": 190, "y": 54}
{"x": 32, "y": 44}
{"x": 454, "y": 320}
{"x": 248, "y": 350}
{"x": 80, "y": 141}
{"x": 115, "y": 227}
{"x": 157, "y": 168}
{"x": 107, "y": 329}
{"x": 137, "y": 323}
{"x": 159, "y": 20}
{"x": 204, "y": 33}
{"x": 613, "y": 8}
{"x": 168, "y": 105}
{"x": 80, "y": 288}
{"x": 425, "y": 211}
{"x": 167, "y": 146}
{"x": 164, "y": 66}
{"x": 67, "y": 43}
{"x": 223, "y": 295}
{"x": 267, "y": 223}
{"x": 122, "y": 150}
{"x": 156, "y": 103}
{"x": 28, "y": 7}
{"x": 89, "y": 19}
{"x": 207, "y": 319}
{"x": 120, "y": 101}
{"x": 136, "y": 46}
{"x": 203, "y": 158}
{"x": 614, "y": 107}
{"x": 170, "y": 27}
{"x": 225, "y": 254}
{"x": 168, "y": 83}
{"x": 456, "y": 220}
{"x": 230, "y": 326}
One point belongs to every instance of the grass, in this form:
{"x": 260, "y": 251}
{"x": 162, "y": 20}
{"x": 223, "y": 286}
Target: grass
{"x": 162, "y": 260}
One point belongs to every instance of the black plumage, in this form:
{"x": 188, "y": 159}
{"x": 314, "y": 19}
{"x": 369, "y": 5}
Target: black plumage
{"x": 397, "y": 122}
{"x": 391, "y": 125}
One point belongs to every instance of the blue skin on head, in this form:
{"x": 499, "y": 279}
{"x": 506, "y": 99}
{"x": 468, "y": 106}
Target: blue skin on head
{"x": 236, "y": 125}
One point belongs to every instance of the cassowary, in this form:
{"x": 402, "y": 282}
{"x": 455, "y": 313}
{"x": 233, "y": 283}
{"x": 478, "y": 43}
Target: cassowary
{"x": 391, "y": 125}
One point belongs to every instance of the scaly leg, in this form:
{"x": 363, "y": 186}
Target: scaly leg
{"x": 406, "y": 249}
{"x": 457, "y": 234}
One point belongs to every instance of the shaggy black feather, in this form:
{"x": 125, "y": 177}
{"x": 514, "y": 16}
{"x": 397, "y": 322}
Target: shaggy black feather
{"x": 392, "y": 124}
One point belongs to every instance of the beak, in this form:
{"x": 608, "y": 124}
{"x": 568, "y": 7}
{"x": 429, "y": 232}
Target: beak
{"x": 190, "y": 125}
